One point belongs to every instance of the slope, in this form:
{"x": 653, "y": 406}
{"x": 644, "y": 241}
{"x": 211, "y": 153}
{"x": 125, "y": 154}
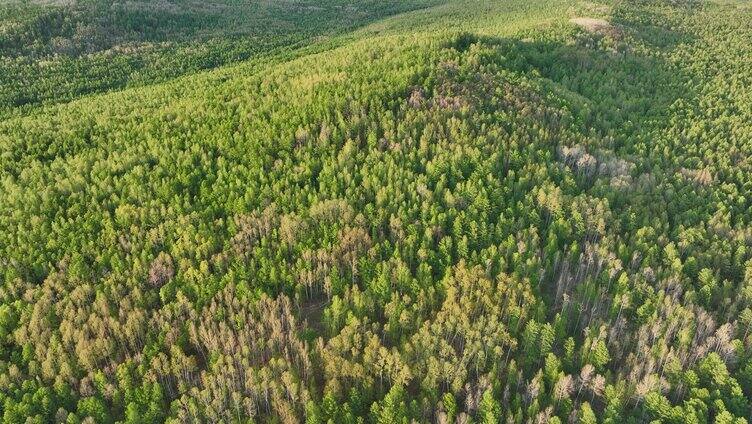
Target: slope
{"x": 469, "y": 212}
{"x": 52, "y": 52}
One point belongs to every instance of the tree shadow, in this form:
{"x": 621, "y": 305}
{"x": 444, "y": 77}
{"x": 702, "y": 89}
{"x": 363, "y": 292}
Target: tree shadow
{"x": 648, "y": 25}
{"x": 614, "y": 90}
{"x": 620, "y": 96}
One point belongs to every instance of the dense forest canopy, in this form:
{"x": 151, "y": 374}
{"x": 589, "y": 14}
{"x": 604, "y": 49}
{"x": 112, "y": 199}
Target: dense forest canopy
{"x": 449, "y": 211}
{"x": 54, "y": 51}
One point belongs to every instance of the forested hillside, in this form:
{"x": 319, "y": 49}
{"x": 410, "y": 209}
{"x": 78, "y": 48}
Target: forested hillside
{"x": 454, "y": 212}
{"x": 59, "y": 50}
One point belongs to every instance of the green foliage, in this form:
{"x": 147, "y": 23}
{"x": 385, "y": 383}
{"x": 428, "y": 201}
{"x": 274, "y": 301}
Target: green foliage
{"x": 470, "y": 212}
{"x": 586, "y": 414}
{"x": 59, "y": 52}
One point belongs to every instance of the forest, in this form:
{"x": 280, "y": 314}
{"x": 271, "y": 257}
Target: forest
{"x": 376, "y": 212}
{"x": 54, "y": 54}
